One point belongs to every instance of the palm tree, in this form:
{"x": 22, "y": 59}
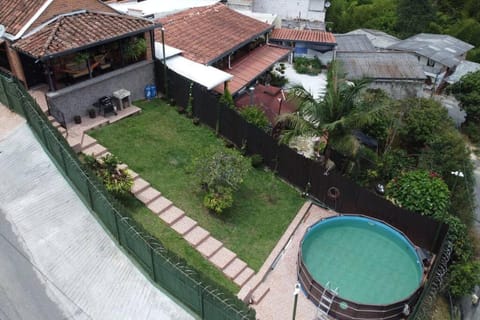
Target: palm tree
{"x": 334, "y": 116}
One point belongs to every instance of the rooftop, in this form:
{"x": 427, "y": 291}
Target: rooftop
{"x": 441, "y": 48}
{"x": 353, "y": 43}
{"x": 80, "y": 29}
{"x": 314, "y": 36}
{"x": 462, "y": 69}
{"x": 381, "y": 65}
{"x": 379, "y": 39}
{"x": 207, "y": 34}
{"x": 15, "y": 14}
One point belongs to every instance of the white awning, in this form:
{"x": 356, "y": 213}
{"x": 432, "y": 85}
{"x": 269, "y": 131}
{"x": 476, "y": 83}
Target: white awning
{"x": 206, "y": 76}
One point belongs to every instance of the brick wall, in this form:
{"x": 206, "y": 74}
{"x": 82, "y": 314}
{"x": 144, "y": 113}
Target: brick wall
{"x": 15, "y": 64}
{"x": 149, "y": 54}
{"x": 64, "y": 6}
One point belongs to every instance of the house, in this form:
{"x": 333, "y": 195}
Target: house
{"x": 79, "y": 50}
{"x": 304, "y": 42}
{"x": 397, "y": 73}
{"x": 438, "y": 54}
{"x": 221, "y": 38}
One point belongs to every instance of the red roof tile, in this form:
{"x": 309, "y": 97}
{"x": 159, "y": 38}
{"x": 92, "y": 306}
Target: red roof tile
{"x": 14, "y": 14}
{"x": 252, "y": 66}
{"x": 302, "y": 35}
{"x": 79, "y": 30}
{"x": 205, "y": 34}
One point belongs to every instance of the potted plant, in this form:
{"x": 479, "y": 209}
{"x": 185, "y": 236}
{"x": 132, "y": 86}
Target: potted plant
{"x": 77, "y": 119}
{"x": 92, "y": 113}
{"x": 135, "y": 48}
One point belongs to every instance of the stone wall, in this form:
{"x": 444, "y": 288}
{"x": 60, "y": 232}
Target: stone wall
{"x": 78, "y": 98}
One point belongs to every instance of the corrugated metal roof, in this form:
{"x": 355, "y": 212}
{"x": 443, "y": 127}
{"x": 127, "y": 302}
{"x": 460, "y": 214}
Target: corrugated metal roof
{"x": 379, "y": 39}
{"x": 353, "y": 43}
{"x": 381, "y": 65}
{"x": 315, "y": 36}
{"x": 444, "y": 49}
{"x": 462, "y": 69}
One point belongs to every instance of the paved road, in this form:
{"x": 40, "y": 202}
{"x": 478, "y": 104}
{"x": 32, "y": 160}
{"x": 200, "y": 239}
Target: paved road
{"x": 57, "y": 262}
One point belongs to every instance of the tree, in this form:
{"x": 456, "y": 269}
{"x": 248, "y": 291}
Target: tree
{"x": 463, "y": 278}
{"x": 220, "y": 175}
{"x": 256, "y": 116}
{"x": 336, "y": 115}
{"x": 414, "y": 16}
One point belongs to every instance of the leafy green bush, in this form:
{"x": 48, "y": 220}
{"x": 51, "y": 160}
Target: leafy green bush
{"x": 463, "y": 277}
{"x": 255, "y": 116}
{"x": 420, "y": 191}
{"x": 307, "y": 66}
{"x": 116, "y": 180}
{"x": 220, "y": 175}
{"x": 227, "y": 100}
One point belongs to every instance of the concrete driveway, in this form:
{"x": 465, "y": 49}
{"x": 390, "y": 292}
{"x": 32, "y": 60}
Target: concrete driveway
{"x": 57, "y": 262}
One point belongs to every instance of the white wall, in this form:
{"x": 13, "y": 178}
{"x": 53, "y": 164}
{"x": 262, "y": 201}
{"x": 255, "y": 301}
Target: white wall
{"x": 288, "y": 9}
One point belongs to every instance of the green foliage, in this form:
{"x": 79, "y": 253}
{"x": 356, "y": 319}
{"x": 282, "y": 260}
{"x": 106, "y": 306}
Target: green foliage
{"x": 255, "y": 116}
{"x": 414, "y": 16}
{"x": 307, "y": 66}
{"x": 220, "y": 174}
{"x": 116, "y": 180}
{"x": 463, "y": 277}
{"x": 190, "y": 101}
{"x": 394, "y": 163}
{"x": 420, "y": 191}
{"x": 227, "y": 100}
{"x": 467, "y": 91}
{"x": 277, "y": 80}
{"x": 218, "y": 201}
{"x": 135, "y": 48}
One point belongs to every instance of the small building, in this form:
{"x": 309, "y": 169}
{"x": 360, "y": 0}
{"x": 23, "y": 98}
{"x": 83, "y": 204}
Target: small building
{"x": 396, "y": 73}
{"x": 379, "y": 39}
{"x": 304, "y": 42}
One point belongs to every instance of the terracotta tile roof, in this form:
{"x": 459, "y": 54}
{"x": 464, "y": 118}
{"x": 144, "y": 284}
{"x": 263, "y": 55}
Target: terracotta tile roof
{"x": 205, "y": 34}
{"x": 14, "y": 14}
{"x": 302, "y": 35}
{"x": 252, "y": 66}
{"x": 78, "y": 30}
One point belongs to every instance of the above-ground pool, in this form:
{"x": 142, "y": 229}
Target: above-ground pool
{"x": 375, "y": 267}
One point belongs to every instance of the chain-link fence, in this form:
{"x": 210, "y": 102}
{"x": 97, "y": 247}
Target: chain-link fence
{"x": 165, "y": 268}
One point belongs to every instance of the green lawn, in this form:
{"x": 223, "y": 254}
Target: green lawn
{"x": 161, "y": 145}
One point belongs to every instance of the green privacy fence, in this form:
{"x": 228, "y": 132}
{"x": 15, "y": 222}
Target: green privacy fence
{"x": 169, "y": 271}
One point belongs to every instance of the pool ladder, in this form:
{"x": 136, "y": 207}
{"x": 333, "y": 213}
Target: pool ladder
{"x": 325, "y": 302}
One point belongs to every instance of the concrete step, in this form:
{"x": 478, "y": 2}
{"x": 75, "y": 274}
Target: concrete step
{"x": 234, "y": 268}
{"x": 85, "y": 142}
{"x": 134, "y": 175}
{"x": 259, "y": 293}
{"x": 171, "y": 215}
{"x": 196, "y": 236}
{"x": 222, "y": 258}
{"x": 148, "y": 195}
{"x": 139, "y": 185}
{"x": 183, "y": 225}
{"x": 159, "y": 205}
{"x": 209, "y": 247}
{"x": 96, "y": 150}
{"x": 244, "y": 276}
{"x": 100, "y": 157}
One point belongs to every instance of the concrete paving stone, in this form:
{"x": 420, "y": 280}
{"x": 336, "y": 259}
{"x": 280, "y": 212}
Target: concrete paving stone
{"x": 86, "y": 141}
{"x": 148, "y": 195}
{"x": 209, "y": 247}
{"x": 99, "y": 158}
{"x": 234, "y": 268}
{"x": 122, "y": 166}
{"x": 244, "y": 276}
{"x": 183, "y": 225}
{"x": 196, "y": 236}
{"x": 96, "y": 150}
{"x": 260, "y": 292}
{"x": 159, "y": 205}
{"x": 171, "y": 214}
{"x": 134, "y": 175}
{"x": 139, "y": 185}
{"x": 222, "y": 258}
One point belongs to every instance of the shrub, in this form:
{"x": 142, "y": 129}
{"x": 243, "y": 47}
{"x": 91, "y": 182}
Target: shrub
{"x": 217, "y": 202}
{"x": 255, "y": 116}
{"x": 307, "y": 66}
{"x": 257, "y": 160}
{"x": 227, "y": 100}
{"x": 116, "y": 180}
{"x": 463, "y": 277}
